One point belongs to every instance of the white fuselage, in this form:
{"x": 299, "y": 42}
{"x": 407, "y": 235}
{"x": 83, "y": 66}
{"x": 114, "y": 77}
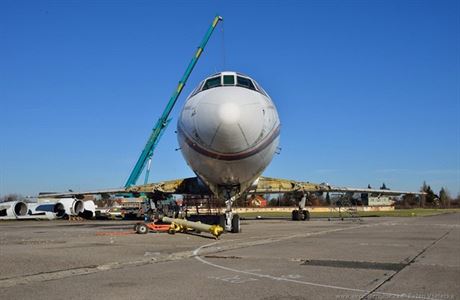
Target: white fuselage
{"x": 228, "y": 133}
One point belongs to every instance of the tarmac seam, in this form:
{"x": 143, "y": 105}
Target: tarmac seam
{"x": 373, "y": 291}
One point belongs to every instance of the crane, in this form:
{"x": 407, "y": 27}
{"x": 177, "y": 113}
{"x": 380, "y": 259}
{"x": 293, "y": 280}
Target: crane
{"x": 160, "y": 126}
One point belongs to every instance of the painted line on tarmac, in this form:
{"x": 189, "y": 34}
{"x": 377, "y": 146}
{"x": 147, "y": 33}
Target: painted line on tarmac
{"x": 86, "y": 270}
{"x": 196, "y": 254}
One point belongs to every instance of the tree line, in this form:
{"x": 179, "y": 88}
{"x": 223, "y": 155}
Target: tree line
{"x": 430, "y": 200}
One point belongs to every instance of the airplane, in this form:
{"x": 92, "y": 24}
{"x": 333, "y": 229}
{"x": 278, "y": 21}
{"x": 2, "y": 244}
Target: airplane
{"x": 228, "y": 132}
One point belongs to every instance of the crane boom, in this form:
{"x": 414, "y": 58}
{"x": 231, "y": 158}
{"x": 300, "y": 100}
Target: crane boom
{"x": 163, "y": 121}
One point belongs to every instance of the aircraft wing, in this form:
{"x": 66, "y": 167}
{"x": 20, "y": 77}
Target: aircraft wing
{"x": 194, "y": 186}
{"x": 81, "y": 194}
{"x": 373, "y": 191}
{"x": 190, "y": 185}
{"x": 267, "y": 185}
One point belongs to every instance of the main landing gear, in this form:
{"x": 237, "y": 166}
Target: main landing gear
{"x": 301, "y": 214}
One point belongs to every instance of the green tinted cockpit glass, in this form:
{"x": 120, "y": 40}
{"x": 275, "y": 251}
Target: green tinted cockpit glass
{"x": 229, "y": 80}
{"x": 211, "y": 83}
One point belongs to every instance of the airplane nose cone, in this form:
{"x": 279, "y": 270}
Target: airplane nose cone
{"x": 226, "y": 120}
{"x": 229, "y": 127}
{"x": 229, "y": 113}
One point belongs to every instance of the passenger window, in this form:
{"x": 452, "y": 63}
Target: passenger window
{"x": 211, "y": 83}
{"x": 245, "y": 82}
{"x": 229, "y": 80}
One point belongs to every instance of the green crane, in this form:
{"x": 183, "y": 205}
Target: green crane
{"x": 164, "y": 120}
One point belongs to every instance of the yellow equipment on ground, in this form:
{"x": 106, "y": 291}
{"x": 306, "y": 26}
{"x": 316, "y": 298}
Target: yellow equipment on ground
{"x": 182, "y": 225}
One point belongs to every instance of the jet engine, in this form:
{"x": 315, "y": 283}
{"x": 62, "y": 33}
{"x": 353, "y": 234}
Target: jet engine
{"x": 62, "y": 207}
{"x": 68, "y": 206}
{"x": 89, "y": 209}
{"x": 12, "y": 209}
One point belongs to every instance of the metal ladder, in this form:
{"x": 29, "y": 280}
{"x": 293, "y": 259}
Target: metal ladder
{"x": 346, "y": 209}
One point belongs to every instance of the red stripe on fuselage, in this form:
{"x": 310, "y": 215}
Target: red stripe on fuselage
{"x": 230, "y": 156}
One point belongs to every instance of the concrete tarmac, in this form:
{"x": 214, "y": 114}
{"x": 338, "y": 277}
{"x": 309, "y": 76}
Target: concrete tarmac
{"x": 378, "y": 258}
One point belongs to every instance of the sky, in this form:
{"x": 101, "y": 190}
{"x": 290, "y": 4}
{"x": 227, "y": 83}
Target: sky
{"x": 367, "y": 91}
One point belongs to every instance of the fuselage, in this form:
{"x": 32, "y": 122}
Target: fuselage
{"x": 228, "y": 132}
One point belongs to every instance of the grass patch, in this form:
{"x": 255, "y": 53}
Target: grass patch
{"x": 416, "y": 212}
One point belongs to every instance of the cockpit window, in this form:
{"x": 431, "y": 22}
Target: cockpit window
{"x": 229, "y": 80}
{"x": 211, "y": 83}
{"x": 259, "y": 88}
{"x": 196, "y": 90}
{"x": 245, "y": 82}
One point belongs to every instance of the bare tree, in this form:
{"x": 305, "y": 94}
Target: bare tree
{"x": 409, "y": 201}
{"x": 11, "y": 197}
{"x": 444, "y": 198}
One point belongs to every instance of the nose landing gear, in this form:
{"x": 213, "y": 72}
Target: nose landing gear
{"x": 232, "y": 221}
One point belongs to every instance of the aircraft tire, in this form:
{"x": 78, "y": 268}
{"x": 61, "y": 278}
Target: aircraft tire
{"x": 236, "y": 228}
{"x": 295, "y": 215}
{"x": 305, "y": 215}
{"x": 136, "y": 226}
